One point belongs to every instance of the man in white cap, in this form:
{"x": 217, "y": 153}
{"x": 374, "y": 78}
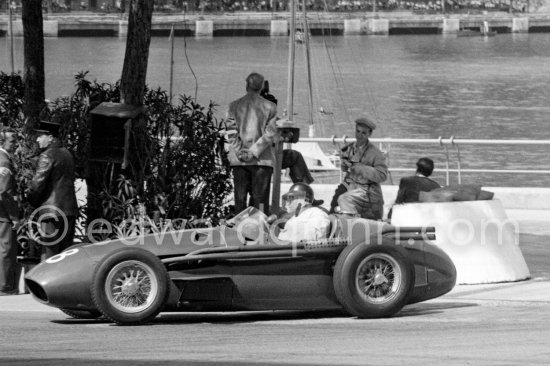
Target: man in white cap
{"x": 365, "y": 168}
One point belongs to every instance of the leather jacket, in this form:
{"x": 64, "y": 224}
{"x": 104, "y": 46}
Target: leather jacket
{"x": 251, "y": 125}
{"x": 53, "y": 182}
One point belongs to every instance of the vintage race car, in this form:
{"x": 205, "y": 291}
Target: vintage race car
{"x": 368, "y": 268}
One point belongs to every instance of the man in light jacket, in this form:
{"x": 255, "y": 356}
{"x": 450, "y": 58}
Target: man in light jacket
{"x": 252, "y": 133}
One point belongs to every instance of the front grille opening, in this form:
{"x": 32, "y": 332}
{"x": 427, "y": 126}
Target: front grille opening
{"x": 36, "y": 290}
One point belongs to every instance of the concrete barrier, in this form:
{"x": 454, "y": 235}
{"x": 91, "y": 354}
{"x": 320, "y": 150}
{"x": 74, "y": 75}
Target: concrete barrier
{"x": 204, "y": 28}
{"x": 451, "y": 25}
{"x": 477, "y": 235}
{"x": 122, "y": 28}
{"x": 380, "y": 26}
{"x": 51, "y": 28}
{"x": 352, "y": 26}
{"x": 17, "y": 28}
{"x": 530, "y": 207}
{"x": 520, "y": 25}
{"x": 279, "y": 28}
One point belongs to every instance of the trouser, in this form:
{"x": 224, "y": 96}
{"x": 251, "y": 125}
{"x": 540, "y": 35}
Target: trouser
{"x": 299, "y": 171}
{"x": 56, "y": 235}
{"x": 358, "y": 202}
{"x": 253, "y": 179}
{"x": 8, "y": 256}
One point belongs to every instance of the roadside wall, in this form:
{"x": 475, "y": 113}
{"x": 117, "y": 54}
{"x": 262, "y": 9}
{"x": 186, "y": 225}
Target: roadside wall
{"x": 529, "y": 206}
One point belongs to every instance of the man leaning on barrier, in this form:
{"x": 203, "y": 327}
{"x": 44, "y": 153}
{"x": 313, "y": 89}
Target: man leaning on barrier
{"x": 52, "y": 192}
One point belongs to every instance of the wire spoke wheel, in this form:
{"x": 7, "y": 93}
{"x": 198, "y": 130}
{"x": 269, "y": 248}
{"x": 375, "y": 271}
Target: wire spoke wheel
{"x": 131, "y": 286}
{"x": 373, "y": 281}
{"x": 378, "y": 278}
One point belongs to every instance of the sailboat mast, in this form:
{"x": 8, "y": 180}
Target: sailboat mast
{"x": 308, "y": 67}
{"x": 12, "y": 48}
{"x": 291, "y": 60}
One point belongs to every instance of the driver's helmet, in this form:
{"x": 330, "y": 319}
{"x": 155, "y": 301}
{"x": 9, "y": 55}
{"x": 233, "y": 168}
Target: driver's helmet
{"x": 299, "y": 190}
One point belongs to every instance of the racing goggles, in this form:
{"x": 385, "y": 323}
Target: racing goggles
{"x": 291, "y": 196}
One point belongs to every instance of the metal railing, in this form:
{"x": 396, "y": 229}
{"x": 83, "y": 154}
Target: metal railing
{"x": 445, "y": 144}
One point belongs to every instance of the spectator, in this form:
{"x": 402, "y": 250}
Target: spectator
{"x": 410, "y": 187}
{"x": 292, "y": 159}
{"x": 251, "y": 122}
{"x": 307, "y": 221}
{"x": 52, "y": 192}
{"x": 365, "y": 168}
{"x": 9, "y": 216}
{"x": 266, "y": 94}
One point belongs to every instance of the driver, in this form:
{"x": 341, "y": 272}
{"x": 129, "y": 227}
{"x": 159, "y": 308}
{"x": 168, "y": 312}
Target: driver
{"x": 307, "y": 222}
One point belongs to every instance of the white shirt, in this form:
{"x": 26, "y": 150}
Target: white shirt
{"x": 311, "y": 224}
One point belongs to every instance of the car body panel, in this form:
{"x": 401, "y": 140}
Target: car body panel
{"x": 222, "y": 269}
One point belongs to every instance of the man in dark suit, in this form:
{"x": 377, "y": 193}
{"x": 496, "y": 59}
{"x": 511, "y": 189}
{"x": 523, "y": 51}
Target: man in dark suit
{"x": 52, "y": 192}
{"x": 410, "y": 187}
{"x": 9, "y": 216}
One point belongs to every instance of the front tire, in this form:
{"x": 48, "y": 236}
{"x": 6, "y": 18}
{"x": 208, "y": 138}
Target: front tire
{"x": 130, "y": 286}
{"x": 373, "y": 281}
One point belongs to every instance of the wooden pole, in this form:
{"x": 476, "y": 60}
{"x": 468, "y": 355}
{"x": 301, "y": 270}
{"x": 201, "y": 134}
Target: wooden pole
{"x": 171, "y": 61}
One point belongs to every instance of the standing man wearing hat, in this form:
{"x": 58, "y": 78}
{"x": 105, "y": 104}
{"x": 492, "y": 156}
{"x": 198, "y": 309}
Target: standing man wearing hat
{"x": 9, "y": 216}
{"x": 52, "y": 191}
{"x": 251, "y": 134}
{"x": 365, "y": 168}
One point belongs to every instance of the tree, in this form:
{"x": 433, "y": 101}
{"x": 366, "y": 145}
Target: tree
{"x": 134, "y": 71}
{"x": 34, "y": 60}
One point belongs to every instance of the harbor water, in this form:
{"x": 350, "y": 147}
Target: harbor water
{"x": 417, "y": 86}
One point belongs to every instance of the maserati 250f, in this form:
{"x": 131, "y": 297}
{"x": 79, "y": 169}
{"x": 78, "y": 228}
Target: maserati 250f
{"x": 367, "y": 268}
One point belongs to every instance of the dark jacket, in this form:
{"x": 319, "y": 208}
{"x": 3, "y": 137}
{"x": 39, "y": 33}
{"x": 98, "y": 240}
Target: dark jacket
{"x": 53, "y": 182}
{"x": 9, "y": 210}
{"x": 410, "y": 188}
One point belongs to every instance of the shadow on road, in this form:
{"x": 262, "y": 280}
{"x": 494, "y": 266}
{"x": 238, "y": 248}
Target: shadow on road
{"x": 431, "y": 308}
{"x": 419, "y": 309}
{"x": 93, "y": 362}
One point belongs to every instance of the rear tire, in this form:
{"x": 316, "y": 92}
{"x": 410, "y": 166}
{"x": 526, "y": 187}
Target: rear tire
{"x": 130, "y": 286}
{"x": 373, "y": 281}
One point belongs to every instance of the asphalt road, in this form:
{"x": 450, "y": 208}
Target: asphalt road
{"x": 497, "y": 324}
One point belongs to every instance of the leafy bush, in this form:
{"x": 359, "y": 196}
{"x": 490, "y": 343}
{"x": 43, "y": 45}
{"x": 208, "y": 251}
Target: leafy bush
{"x": 179, "y": 169}
{"x": 11, "y": 99}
